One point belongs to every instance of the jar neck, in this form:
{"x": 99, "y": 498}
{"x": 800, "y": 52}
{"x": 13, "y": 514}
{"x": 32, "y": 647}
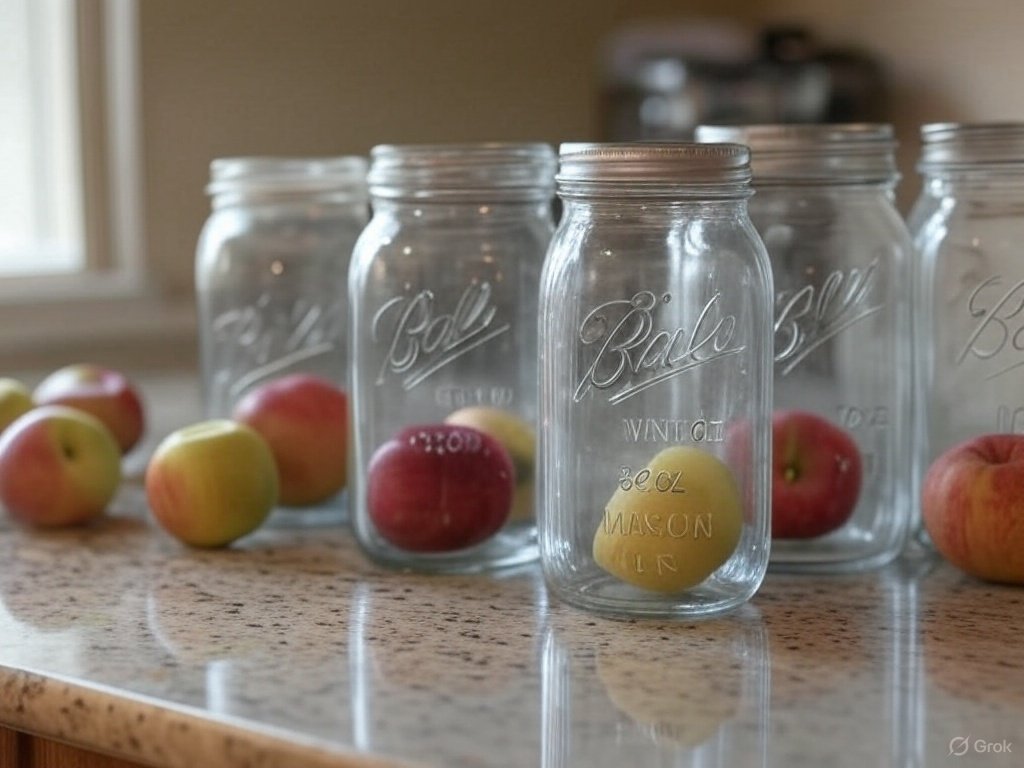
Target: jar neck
{"x": 653, "y": 209}
{"x": 237, "y": 198}
{"x": 976, "y": 183}
{"x": 479, "y": 209}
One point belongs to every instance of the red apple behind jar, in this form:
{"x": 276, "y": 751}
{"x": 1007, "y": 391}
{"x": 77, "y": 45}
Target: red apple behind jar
{"x": 105, "y": 394}
{"x": 304, "y": 419}
{"x": 440, "y": 488}
{"x": 972, "y": 502}
{"x": 816, "y": 475}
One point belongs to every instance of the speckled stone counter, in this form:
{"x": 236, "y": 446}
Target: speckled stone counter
{"x": 290, "y": 649}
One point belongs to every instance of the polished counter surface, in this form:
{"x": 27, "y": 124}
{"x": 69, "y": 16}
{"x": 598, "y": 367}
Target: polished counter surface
{"x": 291, "y": 649}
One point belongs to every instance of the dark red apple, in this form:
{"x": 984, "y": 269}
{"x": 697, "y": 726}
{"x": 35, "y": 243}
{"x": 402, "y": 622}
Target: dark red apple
{"x": 816, "y": 475}
{"x": 440, "y": 487}
{"x": 972, "y": 502}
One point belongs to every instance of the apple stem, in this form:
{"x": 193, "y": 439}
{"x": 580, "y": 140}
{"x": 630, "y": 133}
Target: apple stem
{"x": 790, "y": 474}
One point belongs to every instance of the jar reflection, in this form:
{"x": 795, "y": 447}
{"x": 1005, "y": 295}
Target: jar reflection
{"x": 653, "y": 694}
{"x": 439, "y": 677}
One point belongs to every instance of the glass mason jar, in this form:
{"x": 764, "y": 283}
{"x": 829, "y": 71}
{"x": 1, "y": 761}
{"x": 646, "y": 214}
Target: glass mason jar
{"x": 655, "y": 382}
{"x": 840, "y": 256}
{"x": 443, "y": 293}
{"x": 969, "y": 289}
{"x": 271, "y": 277}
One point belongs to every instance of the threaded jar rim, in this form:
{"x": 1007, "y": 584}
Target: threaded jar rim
{"x": 814, "y": 153}
{"x": 344, "y": 175}
{"x": 971, "y": 146}
{"x": 493, "y": 170}
{"x": 653, "y": 169}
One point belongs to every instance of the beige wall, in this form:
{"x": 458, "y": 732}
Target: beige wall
{"x": 338, "y": 76}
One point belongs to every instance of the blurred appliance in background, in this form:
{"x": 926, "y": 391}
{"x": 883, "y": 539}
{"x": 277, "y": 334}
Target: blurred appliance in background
{"x": 661, "y": 80}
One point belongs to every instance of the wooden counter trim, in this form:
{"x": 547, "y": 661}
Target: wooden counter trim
{"x": 143, "y": 732}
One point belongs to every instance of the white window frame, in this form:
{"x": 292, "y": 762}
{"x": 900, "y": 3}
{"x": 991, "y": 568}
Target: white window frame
{"x": 117, "y": 295}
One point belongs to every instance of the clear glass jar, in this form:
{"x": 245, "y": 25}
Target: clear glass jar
{"x": 271, "y": 284}
{"x": 443, "y": 293}
{"x": 969, "y": 289}
{"x": 840, "y": 256}
{"x": 655, "y": 382}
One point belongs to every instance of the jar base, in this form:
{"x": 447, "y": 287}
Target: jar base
{"x": 510, "y": 548}
{"x": 846, "y": 551}
{"x": 604, "y": 594}
{"x": 332, "y": 512}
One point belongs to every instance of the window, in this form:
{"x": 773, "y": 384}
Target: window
{"x": 40, "y": 155}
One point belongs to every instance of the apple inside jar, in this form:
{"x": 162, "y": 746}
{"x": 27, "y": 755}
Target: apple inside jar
{"x": 439, "y": 488}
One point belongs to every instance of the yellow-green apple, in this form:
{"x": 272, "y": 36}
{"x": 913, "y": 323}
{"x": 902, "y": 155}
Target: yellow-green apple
{"x": 15, "y": 400}
{"x": 972, "y": 501}
{"x": 816, "y": 475}
{"x": 211, "y": 483}
{"x": 58, "y": 466}
{"x": 517, "y": 437}
{"x": 304, "y": 420}
{"x": 106, "y": 394}
{"x": 671, "y": 524}
{"x": 439, "y": 487}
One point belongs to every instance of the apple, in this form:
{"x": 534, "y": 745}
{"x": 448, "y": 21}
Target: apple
{"x": 972, "y": 502}
{"x": 816, "y": 475}
{"x": 211, "y": 483}
{"x": 518, "y": 439}
{"x": 15, "y": 401}
{"x": 304, "y": 420}
{"x": 106, "y": 394}
{"x": 671, "y": 524}
{"x": 439, "y": 487}
{"x": 58, "y": 466}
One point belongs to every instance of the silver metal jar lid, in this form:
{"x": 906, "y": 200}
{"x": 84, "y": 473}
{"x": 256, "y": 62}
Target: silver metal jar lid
{"x": 418, "y": 171}
{"x": 851, "y": 153}
{"x": 953, "y": 146}
{"x": 345, "y": 175}
{"x": 654, "y": 168}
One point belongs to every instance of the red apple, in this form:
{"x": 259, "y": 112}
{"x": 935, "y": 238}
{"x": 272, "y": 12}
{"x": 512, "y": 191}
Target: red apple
{"x": 304, "y": 420}
{"x": 58, "y": 466}
{"x": 106, "y": 394}
{"x": 440, "y": 487}
{"x": 816, "y": 475}
{"x": 211, "y": 483}
{"x": 972, "y": 501}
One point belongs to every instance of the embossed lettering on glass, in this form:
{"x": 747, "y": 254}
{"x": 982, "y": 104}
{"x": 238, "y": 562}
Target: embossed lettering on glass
{"x": 969, "y": 309}
{"x": 444, "y": 333}
{"x": 271, "y": 282}
{"x": 840, "y": 260}
{"x": 655, "y": 380}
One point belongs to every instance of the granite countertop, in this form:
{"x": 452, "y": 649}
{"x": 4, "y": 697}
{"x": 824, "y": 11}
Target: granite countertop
{"x": 290, "y": 649}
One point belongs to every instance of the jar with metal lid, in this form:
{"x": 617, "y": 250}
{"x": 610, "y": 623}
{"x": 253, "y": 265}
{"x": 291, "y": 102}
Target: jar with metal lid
{"x": 443, "y": 291}
{"x": 655, "y": 382}
{"x": 840, "y": 257}
{"x": 969, "y": 288}
{"x": 271, "y": 288}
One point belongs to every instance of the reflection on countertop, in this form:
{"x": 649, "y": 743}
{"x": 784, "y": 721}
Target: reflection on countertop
{"x": 294, "y": 644}
{"x": 291, "y": 649}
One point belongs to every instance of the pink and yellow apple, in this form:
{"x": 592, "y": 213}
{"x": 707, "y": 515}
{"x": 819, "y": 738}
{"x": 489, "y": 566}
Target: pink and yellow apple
{"x": 15, "y": 401}
{"x": 304, "y": 420}
{"x": 108, "y": 395}
{"x": 972, "y": 501}
{"x": 211, "y": 483}
{"x": 816, "y": 475}
{"x": 518, "y": 439}
{"x": 439, "y": 488}
{"x": 58, "y": 466}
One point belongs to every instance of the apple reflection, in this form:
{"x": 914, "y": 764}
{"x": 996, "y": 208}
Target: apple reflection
{"x": 686, "y": 695}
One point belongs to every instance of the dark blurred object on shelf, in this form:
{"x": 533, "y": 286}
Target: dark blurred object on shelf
{"x": 662, "y": 80}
